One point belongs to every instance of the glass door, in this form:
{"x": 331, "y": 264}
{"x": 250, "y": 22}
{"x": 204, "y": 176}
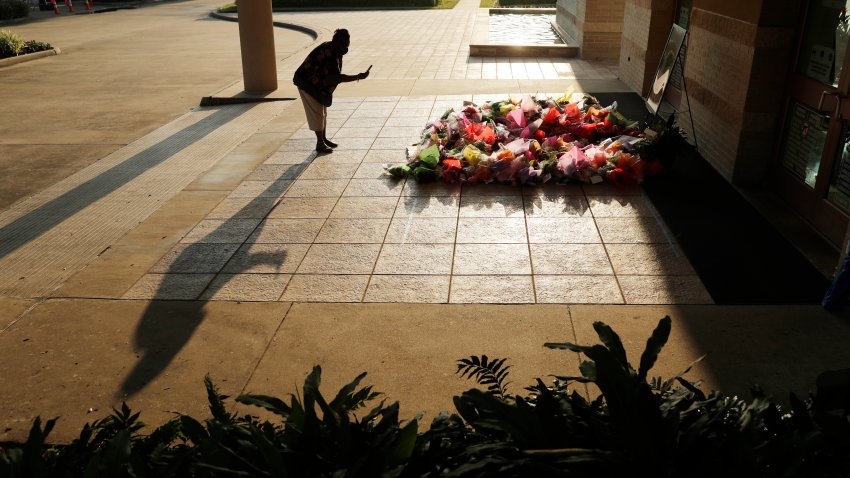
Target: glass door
{"x": 814, "y": 172}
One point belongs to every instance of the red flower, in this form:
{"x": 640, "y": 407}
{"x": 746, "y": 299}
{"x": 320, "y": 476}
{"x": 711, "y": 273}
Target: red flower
{"x": 620, "y": 178}
{"x": 587, "y": 131}
{"x": 480, "y": 132}
{"x": 451, "y": 170}
{"x": 551, "y": 116}
{"x": 540, "y": 135}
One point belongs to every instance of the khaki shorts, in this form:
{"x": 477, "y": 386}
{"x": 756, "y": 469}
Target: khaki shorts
{"x": 317, "y": 114}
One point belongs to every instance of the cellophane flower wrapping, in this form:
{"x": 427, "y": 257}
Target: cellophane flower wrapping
{"x": 529, "y": 141}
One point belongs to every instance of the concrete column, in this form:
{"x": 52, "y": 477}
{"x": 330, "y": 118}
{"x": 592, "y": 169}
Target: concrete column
{"x": 256, "y": 38}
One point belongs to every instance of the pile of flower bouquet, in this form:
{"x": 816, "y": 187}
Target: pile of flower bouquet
{"x": 530, "y": 141}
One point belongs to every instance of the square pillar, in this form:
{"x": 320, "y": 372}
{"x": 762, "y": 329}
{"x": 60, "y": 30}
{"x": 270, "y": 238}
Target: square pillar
{"x": 643, "y": 39}
{"x": 256, "y": 39}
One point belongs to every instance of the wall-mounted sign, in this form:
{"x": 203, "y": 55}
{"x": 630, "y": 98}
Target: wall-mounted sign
{"x": 821, "y": 62}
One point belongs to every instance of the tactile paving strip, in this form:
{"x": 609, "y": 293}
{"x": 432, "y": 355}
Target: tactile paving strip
{"x": 46, "y": 238}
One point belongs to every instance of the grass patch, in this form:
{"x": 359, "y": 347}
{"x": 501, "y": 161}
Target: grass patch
{"x": 446, "y": 4}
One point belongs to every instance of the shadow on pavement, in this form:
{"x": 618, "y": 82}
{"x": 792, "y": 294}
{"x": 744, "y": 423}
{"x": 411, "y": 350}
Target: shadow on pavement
{"x": 167, "y": 325}
{"x": 54, "y": 212}
{"x": 780, "y": 349}
{"x": 738, "y": 255}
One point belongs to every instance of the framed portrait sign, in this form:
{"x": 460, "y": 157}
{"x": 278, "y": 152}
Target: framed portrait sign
{"x": 665, "y": 67}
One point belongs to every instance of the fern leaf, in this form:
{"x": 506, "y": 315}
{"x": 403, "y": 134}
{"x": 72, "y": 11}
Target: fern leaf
{"x": 490, "y": 373}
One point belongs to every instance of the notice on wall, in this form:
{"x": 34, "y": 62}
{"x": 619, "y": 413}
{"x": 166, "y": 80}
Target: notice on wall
{"x": 821, "y": 63}
{"x": 804, "y": 140}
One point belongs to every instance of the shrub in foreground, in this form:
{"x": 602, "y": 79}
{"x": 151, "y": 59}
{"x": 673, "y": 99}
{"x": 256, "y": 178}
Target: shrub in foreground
{"x": 11, "y": 44}
{"x": 638, "y": 426}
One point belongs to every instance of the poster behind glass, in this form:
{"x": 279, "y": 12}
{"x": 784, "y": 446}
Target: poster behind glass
{"x": 839, "y": 187}
{"x": 804, "y": 141}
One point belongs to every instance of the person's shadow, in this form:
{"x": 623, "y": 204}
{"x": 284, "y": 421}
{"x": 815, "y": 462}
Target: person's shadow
{"x": 167, "y": 325}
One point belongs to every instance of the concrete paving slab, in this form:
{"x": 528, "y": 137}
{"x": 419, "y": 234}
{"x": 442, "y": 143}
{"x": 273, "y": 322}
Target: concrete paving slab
{"x": 409, "y": 351}
{"x": 664, "y": 289}
{"x": 570, "y": 259}
{"x": 423, "y": 289}
{"x": 304, "y": 208}
{"x": 577, "y": 289}
{"x": 342, "y": 287}
{"x": 492, "y": 289}
{"x": 173, "y": 286}
{"x": 261, "y": 189}
{"x": 377, "y": 207}
{"x": 425, "y": 206}
{"x": 72, "y": 356}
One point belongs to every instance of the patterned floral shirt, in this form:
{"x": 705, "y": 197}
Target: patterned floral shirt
{"x": 320, "y": 72}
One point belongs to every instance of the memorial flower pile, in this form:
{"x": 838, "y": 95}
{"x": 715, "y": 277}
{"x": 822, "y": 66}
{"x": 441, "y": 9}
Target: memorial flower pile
{"x": 530, "y": 141}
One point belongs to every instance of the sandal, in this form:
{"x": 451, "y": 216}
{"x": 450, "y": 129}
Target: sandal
{"x": 330, "y": 143}
{"x": 322, "y": 149}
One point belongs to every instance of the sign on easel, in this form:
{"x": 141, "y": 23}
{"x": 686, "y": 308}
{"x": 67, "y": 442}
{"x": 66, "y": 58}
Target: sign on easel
{"x": 665, "y": 68}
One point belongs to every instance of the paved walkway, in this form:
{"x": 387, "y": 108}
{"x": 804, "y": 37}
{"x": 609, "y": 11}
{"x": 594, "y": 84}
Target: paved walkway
{"x": 334, "y": 228}
{"x": 257, "y": 254}
{"x": 433, "y": 45}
